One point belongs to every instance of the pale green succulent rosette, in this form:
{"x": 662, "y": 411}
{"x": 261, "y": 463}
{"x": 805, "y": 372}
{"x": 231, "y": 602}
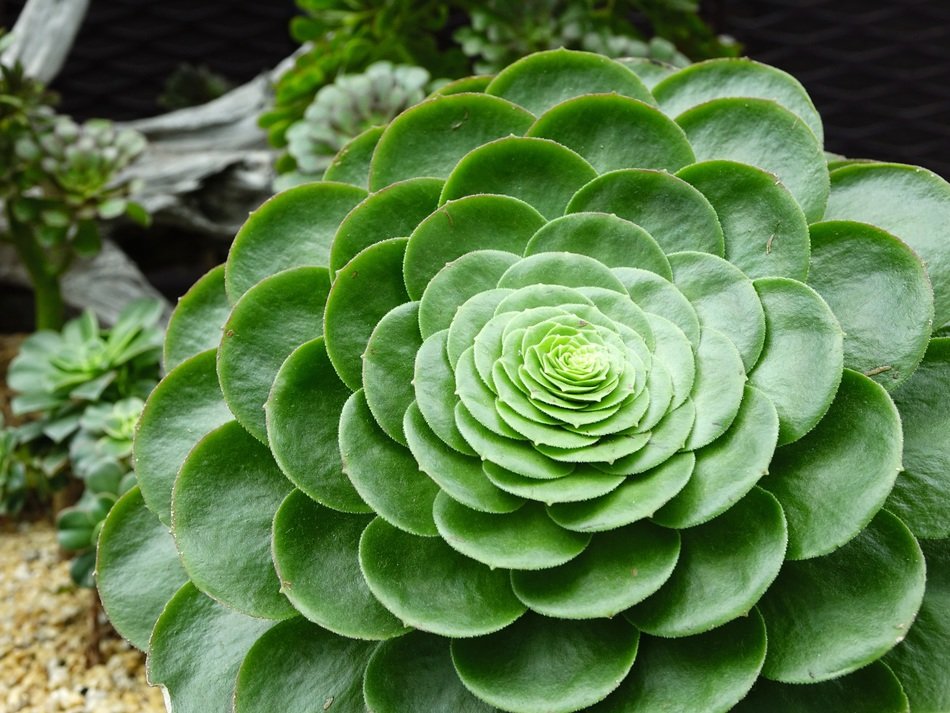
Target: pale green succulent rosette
{"x": 601, "y": 399}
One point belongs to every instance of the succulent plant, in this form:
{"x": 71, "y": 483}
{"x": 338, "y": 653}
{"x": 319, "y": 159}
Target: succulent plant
{"x": 565, "y": 395}
{"x": 346, "y": 108}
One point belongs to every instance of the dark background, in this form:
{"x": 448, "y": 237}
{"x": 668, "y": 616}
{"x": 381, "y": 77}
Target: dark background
{"x": 878, "y": 71}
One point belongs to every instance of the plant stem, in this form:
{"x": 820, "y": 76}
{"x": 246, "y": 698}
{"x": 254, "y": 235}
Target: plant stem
{"x": 49, "y": 312}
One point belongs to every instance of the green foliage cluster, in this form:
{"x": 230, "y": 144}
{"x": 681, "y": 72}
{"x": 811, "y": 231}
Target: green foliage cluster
{"x": 57, "y": 180}
{"x": 454, "y": 38}
{"x": 82, "y": 390}
{"x": 592, "y": 388}
{"x": 191, "y": 85}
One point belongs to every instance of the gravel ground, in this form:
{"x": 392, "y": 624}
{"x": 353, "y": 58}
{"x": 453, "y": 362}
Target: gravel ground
{"x": 45, "y": 630}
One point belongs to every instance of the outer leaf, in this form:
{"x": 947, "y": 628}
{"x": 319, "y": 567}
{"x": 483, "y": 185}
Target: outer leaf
{"x": 297, "y": 666}
{"x": 709, "y": 672}
{"x": 541, "y": 665}
{"x": 255, "y": 345}
{"x": 414, "y": 674}
{"x": 138, "y": 568}
{"x": 224, "y": 502}
{"x": 921, "y": 495}
{"x": 834, "y": 614}
{"x": 429, "y": 585}
{"x": 196, "y": 649}
{"x": 309, "y": 541}
{"x": 292, "y": 229}
{"x": 196, "y": 323}
{"x": 833, "y": 481}
{"x": 921, "y": 659}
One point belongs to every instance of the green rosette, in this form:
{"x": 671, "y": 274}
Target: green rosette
{"x": 602, "y": 399}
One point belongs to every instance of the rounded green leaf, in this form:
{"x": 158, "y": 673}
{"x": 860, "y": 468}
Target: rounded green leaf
{"x": 460, "y": 476}
{"x": 611, "y": 240}
{"x": 748, "y": 131}
{"x": 560, "y": 268}
{"x": 483, "y": 222}
{"x": 724, "y": 299}
{"x": 415, "y": 674}
{"x": 658, "y": 296}
{"x": 255, "y": 344}
{"x": 708, "y": 672}
{"x": 196, "y": 650}
{"x": 474, "y": 83}
{"x": 735, "y": 77}
{"x": 613, "y": 132}
{"x": 224, "y": 503}
{"x": 310, "y": 542}
{"x": 388, "y": 366}
{"x": 801, "y": 362}
{"x": 292, "y": 229}
{"x": 363, "y": 292}
{"x": 921, "y": 659}
{"x": 541, "y": 80}
{"x": 725, "y": 565}
{"x": 727, "y": 468}
{"x": 297, "y": 666}
{"x": 582, "y": 484}
{"x": 636, "y": 499}
{"x": 430, "y": 138}
{"x": 677, "y": 215}
{"x": 351, "y": 163}
{"x": 432, "y": 587}
{"x": 393, "y": 212}
{"x": 303, "y": 425}
{"x": 833, "y": 480}
{"x": 524, "y": 539}
{"x": 456, "y": 283}
{"x": 765, "y": 230}
{"x": 163, "y": 438}
{"x": 880, "y": 293}
{"x": 873, "y": 689}
{"x": 514, "y": 455}
{"x": 435, "y": 392}
{"x": 383, "y": 472}
{"x": 907, "y": 201}
{"x": 832, "y": 615}
{"x": 196, "y": 323}
{"x": 137, "y": 568}
{"x": 617, "y": 570}
{"x": 540, "y": 664}
{"x": 921, "y": 495}
{"x": 650, "y": 71}
{"x": 718, "y": 389}
{"x": 542, "y": 173}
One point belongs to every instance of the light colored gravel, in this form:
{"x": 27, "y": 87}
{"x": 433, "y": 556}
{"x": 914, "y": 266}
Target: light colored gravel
{"x": 44, "y": 631}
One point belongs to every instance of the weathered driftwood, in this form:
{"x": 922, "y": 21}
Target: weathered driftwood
{"x": 205, "y": 169}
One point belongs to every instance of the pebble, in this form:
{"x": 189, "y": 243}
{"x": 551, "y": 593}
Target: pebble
{"x": 44, "y": 632}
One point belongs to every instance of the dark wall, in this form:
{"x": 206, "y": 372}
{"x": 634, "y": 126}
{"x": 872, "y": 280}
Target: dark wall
{"x": 126, "y": 49}
{"x": 879, "y": 72}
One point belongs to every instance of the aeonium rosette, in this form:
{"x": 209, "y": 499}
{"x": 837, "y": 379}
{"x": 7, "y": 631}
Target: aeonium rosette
{"x": 559, "y": 393}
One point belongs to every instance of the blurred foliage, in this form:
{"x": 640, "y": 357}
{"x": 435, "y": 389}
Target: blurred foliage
{"x": 191, "y": 85}
{"x": 57, "y": 180}
{"x": 455, "y": 38}
{"x": 82, "y": 390}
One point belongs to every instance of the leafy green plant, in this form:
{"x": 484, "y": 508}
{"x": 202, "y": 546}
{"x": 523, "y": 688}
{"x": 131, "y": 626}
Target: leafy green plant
{"x": 191, "y": 85}
{"x": 458, "y": 37}
{"x": 570, "y": 395}
{"x": 82, "y": 390}
{"x": 58, "y": 178}
{"x": 22, "y": 479}
{"x": 343, "y": 110}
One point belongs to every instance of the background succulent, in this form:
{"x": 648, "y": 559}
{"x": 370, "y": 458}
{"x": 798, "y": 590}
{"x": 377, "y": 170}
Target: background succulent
{"x": 346, "y": 108}
{"x": 80, "y": 392}
{"x": 619, "y": 426}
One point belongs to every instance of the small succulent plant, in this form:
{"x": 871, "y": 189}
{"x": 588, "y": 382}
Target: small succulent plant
{"x": 558, "y": 394}
{"x": 346, "y": 108}
{"x": 57, "y": 180}
{"x": 82, "y": 392}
